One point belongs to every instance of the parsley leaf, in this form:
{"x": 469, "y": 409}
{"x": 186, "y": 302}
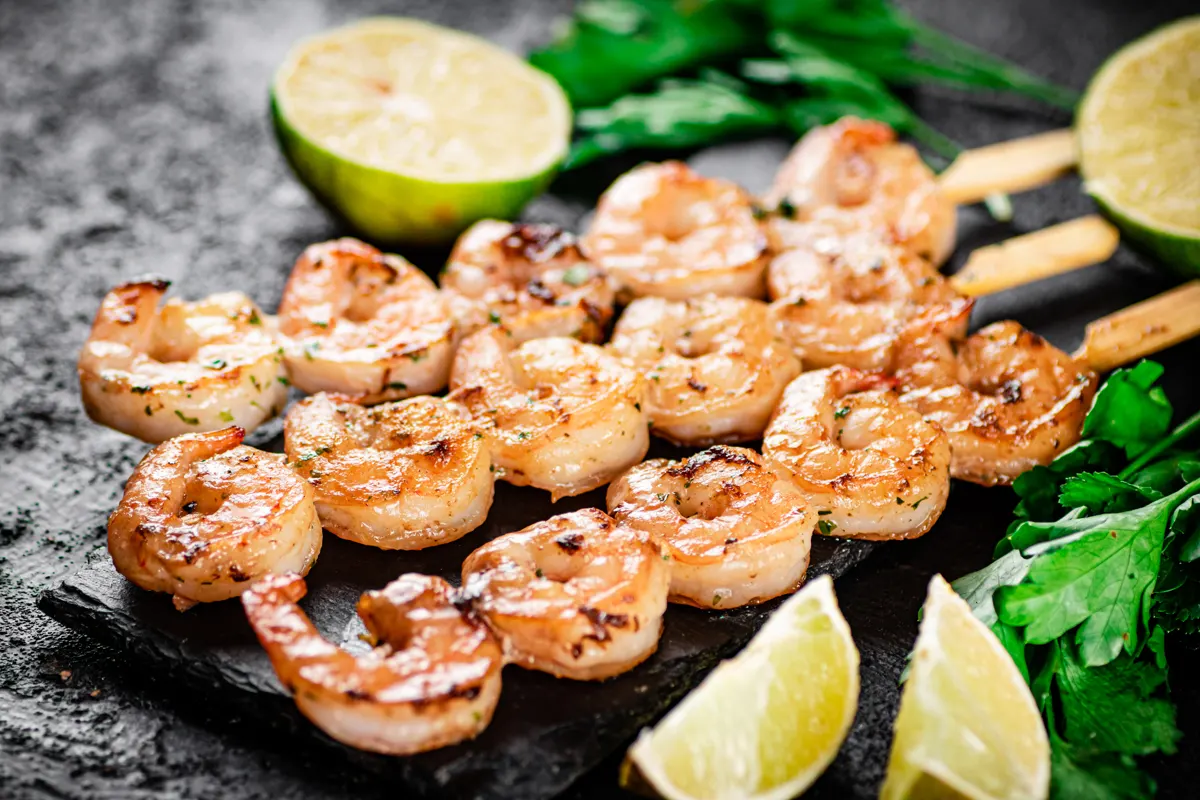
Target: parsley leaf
{"x": 1095, "y": 572}
{"x": 1100, "y": 492}
{"x": 1129, "y": 410}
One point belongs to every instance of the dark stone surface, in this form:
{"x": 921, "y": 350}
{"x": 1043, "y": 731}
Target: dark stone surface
{"x": 546, "y": 733}
{"x": 133, "y": 138}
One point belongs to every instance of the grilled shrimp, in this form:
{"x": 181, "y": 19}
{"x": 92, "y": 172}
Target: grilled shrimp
{"x": 400, "y": 476}
{"x": 432, "y": 679}
{"x": 156, "y": 372}
{"x": 575, "y": 595}
{"x": 665, "y": 231}
{"x": 1008, "y": 399}
{"x": 561, "y": 415}
{"x": 854, "y": 176}
{"x": 364, "y": 324}
{"x": 203, "y": 517}
{"x": 531, "y": 280}
{"x": 845, "y": 303}
{"x": 871, "y": 465}
{"x": 736, "y": 532}
{"x": 715, "y": 366}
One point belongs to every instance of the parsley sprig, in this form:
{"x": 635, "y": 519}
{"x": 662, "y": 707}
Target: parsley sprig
{"x": 657, "y": 73}
{"x": 1101, "y": 563}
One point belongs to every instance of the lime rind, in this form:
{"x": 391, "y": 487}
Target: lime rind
{"x": 926, "y": 729}
{"x": 742, "y": 688}
{"x": 418, "y": 204}
{"x": 1123, "y": 128}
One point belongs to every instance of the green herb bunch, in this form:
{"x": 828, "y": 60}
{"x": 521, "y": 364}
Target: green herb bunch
{"x": 685, "y": 73}
{"x": 1102, "y": 561}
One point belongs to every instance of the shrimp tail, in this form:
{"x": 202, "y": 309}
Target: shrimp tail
{"x": 271, "y": 591}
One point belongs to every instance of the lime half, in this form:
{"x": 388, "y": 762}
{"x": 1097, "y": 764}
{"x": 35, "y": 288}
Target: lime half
{"x": 411, "y": 132}
{"x": 968, "y": 726}
{"x": 765, "y": 724}
{"x": 1139, "y": 142}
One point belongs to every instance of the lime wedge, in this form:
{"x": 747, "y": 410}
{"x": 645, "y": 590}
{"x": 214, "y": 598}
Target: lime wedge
{"x": 968, "y": 726}
{"x": 765, "y": 724}
{"x": 1139, "y": 142}
{"x": 411, "y": 132}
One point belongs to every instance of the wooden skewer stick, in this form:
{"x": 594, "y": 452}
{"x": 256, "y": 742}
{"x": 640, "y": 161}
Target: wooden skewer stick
{"x": 1012, "y": 166}
{"x": 1143, "y": 328}
{"x": 1034, "y": 256}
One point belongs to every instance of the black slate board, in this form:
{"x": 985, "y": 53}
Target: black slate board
{"x": 546, "y": 732}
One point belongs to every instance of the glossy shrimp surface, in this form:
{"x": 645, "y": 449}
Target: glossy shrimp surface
{"x": 735, "y": 532}
{"x": 844, "y": 301}
{"x": 665, "y": 231}
{"x": 575, "y": 596}
{"x": 854, "y": 176}
{"x": 203, "y": 517}
{"x": 186, "y": 367}
{"x": 532, "y": 280}
{"x": 715, "y": 366}
{"x": 364, "y": 324}
{"x": 432, "y": 679}
{"x": 872, "y": 466}
{"x": 399, "y": 476}
{"x": 1008, "y": 399}
{"x": 560, "y": 415}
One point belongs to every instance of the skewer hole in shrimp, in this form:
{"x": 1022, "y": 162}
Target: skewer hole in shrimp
{"x": 364, "y": 324}
{"x": 203, "y": 517}
{"x": 433, "y": 678}
{"x": 1008, "y": 399}
{"x": 854, "y": 176}
{"x": 872, "y": 466}
{"x": 665, "y": 231}
{"x": 399, "y": 476}
{"x": 186, "y": 367}
{"x": 575, "y": 596}
{"x": 715, "y": 366}
{"x": 560, "y": 415}
{"x": 735, "y": 531}
{"x": 532, "y": 280}
{"x": 843, "y": 300}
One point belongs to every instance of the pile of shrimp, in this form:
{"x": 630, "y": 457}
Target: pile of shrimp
{"x": 813, "y": 320}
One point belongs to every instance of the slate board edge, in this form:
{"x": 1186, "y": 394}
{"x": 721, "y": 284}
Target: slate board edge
{"x": 78, "y": 610}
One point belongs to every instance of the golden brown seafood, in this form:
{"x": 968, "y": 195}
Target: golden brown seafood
{"x": 560, "y": 415}
{"x": 662, "y": 230}
{"x": 531, "y": 280}
{"x": 735, "y": 531}
{"x": 364, "y": 324}
{"x": 203, "y": 517}
{"x": 399, "y": 476}
{"x": 574, "y": 596}
{"x": 715, "y": 366}
{"x": 872, "y": 466}
{"x": 186, "y": 367}
{"x": 432, "y": 679}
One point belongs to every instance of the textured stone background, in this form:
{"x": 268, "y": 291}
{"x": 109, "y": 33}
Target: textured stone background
{"x": 133, "y": 139}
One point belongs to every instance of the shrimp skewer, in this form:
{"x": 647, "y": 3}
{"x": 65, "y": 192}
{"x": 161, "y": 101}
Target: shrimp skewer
{"x": 433, "y": 678}
{"x": 1007, "y": 398}
{"x": 186, "y": 367}
{"x": 736, "y": 533}
{"x": 662, "y": 230}
{"x": 404, "y": 475}
{"x": 204, "y": 517}
{"x": 559, "y": 415}
{"x": 715, "y": 366}
{"x": 364, "y": 324}
{"x": 853, "y": 176}
{"x": 532, "y": 280}
{"x": 574, "y": 596}
{"x": 844, "y": 301}
{"x": 871, "y": 465}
